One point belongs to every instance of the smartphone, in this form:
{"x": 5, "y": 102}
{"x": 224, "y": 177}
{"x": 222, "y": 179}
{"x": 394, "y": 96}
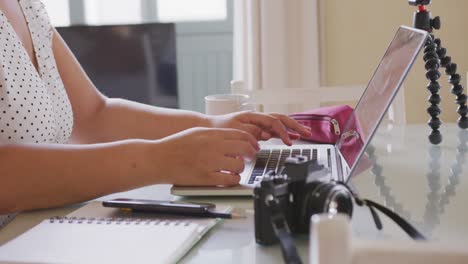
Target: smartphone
{"x": 164, "y": 207}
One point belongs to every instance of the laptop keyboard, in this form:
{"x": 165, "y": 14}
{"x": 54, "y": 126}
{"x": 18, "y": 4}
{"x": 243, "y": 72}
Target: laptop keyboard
{"x": 273, "y": 159}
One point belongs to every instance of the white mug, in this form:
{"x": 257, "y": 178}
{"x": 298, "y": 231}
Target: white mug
{"x": 221, "y": 104}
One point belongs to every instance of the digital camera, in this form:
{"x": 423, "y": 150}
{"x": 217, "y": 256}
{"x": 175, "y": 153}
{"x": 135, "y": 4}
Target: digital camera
{"x": 287, "y": 199}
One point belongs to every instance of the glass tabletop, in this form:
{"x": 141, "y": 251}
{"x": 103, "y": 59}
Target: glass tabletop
{"x": 425, "y": 184}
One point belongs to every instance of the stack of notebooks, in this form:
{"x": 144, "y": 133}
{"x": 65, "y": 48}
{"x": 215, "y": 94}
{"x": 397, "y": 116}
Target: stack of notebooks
{"x": 95, "y": 234}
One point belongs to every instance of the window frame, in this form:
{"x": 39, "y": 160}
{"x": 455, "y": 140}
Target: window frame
{"x": 149, "y": 14}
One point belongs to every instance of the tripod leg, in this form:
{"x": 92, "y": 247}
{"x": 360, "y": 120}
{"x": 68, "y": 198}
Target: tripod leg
{"x": 454, "y": 79}
{"x": 432, "y": 64}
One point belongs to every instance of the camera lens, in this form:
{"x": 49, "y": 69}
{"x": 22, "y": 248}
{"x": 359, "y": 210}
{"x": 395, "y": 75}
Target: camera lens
{"x": 340, "y": 201}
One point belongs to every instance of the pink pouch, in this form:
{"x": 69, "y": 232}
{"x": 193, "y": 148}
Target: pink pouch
{"x": 326, "y": 123}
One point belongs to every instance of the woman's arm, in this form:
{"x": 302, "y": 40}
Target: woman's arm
{"x": 101, "y": 119}
{"x": 46, "y": 175}
{"x": 42, "y": 176}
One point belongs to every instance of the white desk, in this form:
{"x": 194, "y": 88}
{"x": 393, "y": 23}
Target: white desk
{"x": 431, "y": 192}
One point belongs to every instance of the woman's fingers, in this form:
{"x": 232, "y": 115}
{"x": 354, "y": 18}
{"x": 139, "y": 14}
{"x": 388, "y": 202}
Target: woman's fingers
{"x": 254, "y": 130}
{"x": 235, "y": 148}
{"x": 234, "y": 134}
{"x": 294, "y": 136}
{"x": 266, "y": 136}
{"x": 270, "y": 123}
{"x": 293, "y": 125}
{"x": 231, "y": 165}
{"x": 276, "y": 124}
{"x": 223, "y": 179}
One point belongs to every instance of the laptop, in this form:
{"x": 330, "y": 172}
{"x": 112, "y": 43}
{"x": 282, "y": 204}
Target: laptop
{"x": 342, "y": 158}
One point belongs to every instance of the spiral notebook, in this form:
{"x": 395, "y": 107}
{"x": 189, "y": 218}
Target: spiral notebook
{"x": 108, "y": 237}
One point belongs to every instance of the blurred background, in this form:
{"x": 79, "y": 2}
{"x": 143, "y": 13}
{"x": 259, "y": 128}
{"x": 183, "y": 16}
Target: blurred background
{"x": 203, "y": 47}
{"x": 302, "y": 44}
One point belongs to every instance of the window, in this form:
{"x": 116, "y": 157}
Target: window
{"x": 113, "y": 12}
{"x": 204, "y": 36}
{"x": 98, "y": 12}
{"x": 190, "y": 10}
{"x": 58, "y": 11}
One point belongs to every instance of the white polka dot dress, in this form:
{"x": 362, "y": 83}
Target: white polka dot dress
{"x": 34, "y": 105}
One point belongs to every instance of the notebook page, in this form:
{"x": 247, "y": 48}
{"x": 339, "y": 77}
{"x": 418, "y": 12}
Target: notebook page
{"x": 40, "y": 239}
{"x": 126, "y": 242}
{"x": 95, "y": 209}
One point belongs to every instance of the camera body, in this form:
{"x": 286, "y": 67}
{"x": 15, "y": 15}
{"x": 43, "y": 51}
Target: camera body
{"x": 300, "y": 190}
{"x": 272, "y": 187}
{"x": 419, "y": 2}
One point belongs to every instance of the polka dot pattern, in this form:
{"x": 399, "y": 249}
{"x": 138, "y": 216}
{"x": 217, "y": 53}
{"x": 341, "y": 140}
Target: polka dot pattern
{"x": 34, "y": 105}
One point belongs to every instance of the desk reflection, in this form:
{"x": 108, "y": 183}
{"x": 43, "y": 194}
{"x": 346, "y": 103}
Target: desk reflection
{"x": 438, "y": 196}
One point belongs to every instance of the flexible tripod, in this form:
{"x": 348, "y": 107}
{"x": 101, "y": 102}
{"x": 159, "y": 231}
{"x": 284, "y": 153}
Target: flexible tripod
{"x": 435, "y": 56}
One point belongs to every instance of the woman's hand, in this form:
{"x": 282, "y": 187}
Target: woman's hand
{"x": 203, "y": 156}
{"x": 262, "y": 126}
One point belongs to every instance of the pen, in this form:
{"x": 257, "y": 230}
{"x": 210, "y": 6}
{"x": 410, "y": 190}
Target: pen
{"x": 222, "y": 215}
{"x": 206, "y": 214}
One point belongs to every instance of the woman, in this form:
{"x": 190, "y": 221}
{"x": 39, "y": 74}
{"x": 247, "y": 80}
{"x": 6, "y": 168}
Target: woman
{"x": 63, "y": 142}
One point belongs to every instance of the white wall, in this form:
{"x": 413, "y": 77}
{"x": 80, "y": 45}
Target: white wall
{"x": 356, "y": 33}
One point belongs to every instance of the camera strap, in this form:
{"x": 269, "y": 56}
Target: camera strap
{"x": 282, "y": 231}
{"x": 400, "y": 221}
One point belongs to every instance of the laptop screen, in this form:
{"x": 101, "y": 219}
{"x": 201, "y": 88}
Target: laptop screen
{"x": 379, "y": 94}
